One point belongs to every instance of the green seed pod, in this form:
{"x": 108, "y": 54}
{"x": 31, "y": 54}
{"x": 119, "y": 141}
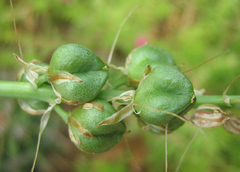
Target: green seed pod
{"x": 76, "y": 73}
{"x": 142, "y": 56}
{"x": 164, "y": 88}
{"x": 84, "y": 129}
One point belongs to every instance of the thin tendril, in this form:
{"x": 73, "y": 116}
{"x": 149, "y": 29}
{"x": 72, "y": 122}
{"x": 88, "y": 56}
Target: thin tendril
{"x": 166, "y": 162}
{"x": 203, "y": 133}
{"x": 207, "y": 61}
{"x": 37, "y": 149}
{"x": 131, "y": 154}
{"x": 118, "y": 33}
{"x": 185, "y": 152}
{"x": 225, "y": 91}
{"x": 15, "y": 29}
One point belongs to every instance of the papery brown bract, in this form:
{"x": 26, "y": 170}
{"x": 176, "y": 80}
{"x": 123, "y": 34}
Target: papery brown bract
{"x": 232, "y": 125}
{"x": 209, "y": 116}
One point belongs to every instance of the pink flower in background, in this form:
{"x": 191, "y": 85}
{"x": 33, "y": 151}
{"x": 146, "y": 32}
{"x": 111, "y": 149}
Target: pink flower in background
{"x": 140, "y": 41}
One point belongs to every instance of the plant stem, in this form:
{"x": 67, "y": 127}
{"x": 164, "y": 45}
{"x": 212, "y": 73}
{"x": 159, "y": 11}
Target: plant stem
{"x": 45, "y": 93}
{"x": 61, "y": 112}
{"x": 201, "y": 99}
{"x": 109, "y": 94}
{"x": 25, "y": 90}
{"x": 123, "y": 80}
{"x": 218, "y": 100}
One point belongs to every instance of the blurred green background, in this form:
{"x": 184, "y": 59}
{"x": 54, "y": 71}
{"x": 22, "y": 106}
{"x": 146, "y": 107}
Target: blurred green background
{"x": 192, "y": 31}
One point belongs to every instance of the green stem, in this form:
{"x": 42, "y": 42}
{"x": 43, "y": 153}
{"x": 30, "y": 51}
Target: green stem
{"x": 45, "y": 93}
{"x": 109, "y": 94}
{"x": 43, "y": 78}
{"x": 25, "y": 90}
{"x": 201, "y": 99}
{"x": 62, "y": 113}
{"x": 218, "y": 100}
{"x": 123, "y": 80}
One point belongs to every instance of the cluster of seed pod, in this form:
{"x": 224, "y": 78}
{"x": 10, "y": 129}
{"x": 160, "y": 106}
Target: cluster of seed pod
{"x": 76, "y": 75}
{"x": 162, "y": 95}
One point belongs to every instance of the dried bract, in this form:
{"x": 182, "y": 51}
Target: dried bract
{"x": 209, "y": 116}
{"x": 232, "y": 125}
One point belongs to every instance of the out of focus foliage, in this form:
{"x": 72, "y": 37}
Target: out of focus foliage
{"x": 192, "y": 32}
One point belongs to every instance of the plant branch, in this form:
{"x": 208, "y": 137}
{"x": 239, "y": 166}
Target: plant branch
{"x": 45, "y": 93}
{"x": 218, "y": 100}
{"x": 61, "y": 112}
{"x": 123, "y": 80}
{"x": 25, "y": 90}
